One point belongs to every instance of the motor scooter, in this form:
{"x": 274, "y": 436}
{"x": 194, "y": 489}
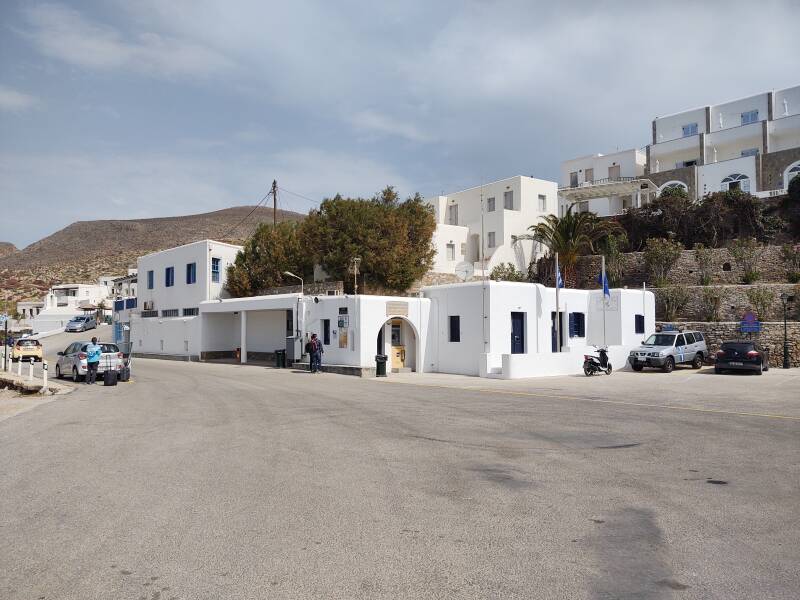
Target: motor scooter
{"x": 594, "y": 364}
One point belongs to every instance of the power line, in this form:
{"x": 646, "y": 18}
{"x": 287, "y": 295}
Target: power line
{"x": 239, "y": 224}
{"x": 300, "y": 196}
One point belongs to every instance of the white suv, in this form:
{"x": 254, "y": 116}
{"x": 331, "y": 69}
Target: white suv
{"x": 669, "y": 348}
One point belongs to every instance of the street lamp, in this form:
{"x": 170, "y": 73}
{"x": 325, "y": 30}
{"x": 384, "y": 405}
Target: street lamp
{"x": 290, "y": 274}
{"x": 356, "y": 263}
{"x": 784, "y": 299}
{"x": 299, "y": 300}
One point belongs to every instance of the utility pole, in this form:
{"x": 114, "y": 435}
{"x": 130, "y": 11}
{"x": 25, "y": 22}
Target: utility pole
{"x": 274, "y": 202}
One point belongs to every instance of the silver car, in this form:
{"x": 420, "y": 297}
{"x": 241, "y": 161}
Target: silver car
{"x": 72, "y": 361}
{"x": 81, "y": 323}
{"x": 669, "y": 348}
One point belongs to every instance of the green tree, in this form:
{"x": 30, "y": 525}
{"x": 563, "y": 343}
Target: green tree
{"x": 791, "y": 257}
{"x": 704, "y": 257}
{"x": 507, "y": 272}
{"x": 673, "y": 299}
{"x": 747, "y": 254}
{"x": 266, "y": 255}
{"x": 660, "y": 255}
{"x": 571, "y": 235}
{"x": 612, "y": 247}
{"x": 711, "y": 305}
{"x": 761, "y": 298}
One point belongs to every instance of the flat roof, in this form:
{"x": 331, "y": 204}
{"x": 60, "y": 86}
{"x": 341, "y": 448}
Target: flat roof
{"x": 205, "y": 241}
{"x": 476, "y": 187}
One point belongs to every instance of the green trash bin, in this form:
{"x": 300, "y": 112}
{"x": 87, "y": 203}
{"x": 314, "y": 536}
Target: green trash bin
{"x": 280, "y": 359}
{"x": 380, "y": 365}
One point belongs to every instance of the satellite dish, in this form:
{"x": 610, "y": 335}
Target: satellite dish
{"x": 464, "y": 270}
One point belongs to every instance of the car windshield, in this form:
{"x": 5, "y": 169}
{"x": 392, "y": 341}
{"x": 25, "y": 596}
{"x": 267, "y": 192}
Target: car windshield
{"x": 660, "y": 339}
{"x": 105, "y": 348}
{"x": 77, "y": 319}
{"x": 740, "y": 347}
{"x": 27, "y": 343}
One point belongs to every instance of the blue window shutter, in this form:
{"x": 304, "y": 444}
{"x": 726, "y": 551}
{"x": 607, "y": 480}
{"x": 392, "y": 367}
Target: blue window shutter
{"x": 572, "y": 325}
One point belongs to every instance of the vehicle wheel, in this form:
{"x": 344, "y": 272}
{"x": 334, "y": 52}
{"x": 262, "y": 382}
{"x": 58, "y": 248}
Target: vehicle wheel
{"x": 75, "y": 377}
{"x": 58, "y": 372}
{"x": 609, "y": 369}
{"x": 697, "y": 362}
{"x": 638, "y": 367}
{"x": 669, "y": 365}
{"x": 766, "y": 367}
{"x": 587, "y": 371}
{"x": 760, "y": 369}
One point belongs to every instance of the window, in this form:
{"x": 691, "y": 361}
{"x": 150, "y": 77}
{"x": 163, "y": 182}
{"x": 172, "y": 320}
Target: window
{"x": 689, "y": 338}
{"x": 588, "y": 175}
{"x": 681, "y": 341}
{"x": 542, "y": 203}
{"x": 451, "y": 251}
{"x": 490, "y": 240}
{"x": 463, "y": 249}
{"x": 508, "y": 200}
{"x": 573, "y": 179}
{"x": 326, "y": 332}
{"x": 452, "y": 214}
{"x": 577, "y": 325}
{"x": 613, "y": 172}
{"x": 737, "y": 181}
{"x": 793, "y": 172}
{"x": 750, "y": 152}
{"x": 169, "y": 276}
{"x": 215, "y": 264}
{"x": 191, "y": 273}
{"x": 751, "y": 116}
{"x": 150, "y": 280}
{"x": 638, "y": 323}
{"x": 690, "y": 129}
{"x": 673, "y": 185}
{"x": 191, "y": 312}
{"x": 698, "y": 337}
{"x": 171, "y": 312}
{"x": 289, "y": 322}
{"x": 455, "y": 328}
{"x": 490, "y": 205}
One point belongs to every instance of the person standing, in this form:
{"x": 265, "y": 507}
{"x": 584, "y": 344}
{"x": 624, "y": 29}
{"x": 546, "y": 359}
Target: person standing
{"x": 315, "y": 353}
{"x": 93, "y": 352}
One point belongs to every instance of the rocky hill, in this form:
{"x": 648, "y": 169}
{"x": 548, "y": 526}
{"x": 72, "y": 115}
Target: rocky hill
{"x": 7, "y": 248}
{"x": 65, "y": 256}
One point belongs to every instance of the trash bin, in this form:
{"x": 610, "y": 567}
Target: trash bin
{"x": 380, "y": 365}
{"x": 280, "y": 359}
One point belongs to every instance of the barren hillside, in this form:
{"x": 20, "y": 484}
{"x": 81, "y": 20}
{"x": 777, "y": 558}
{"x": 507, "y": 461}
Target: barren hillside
{"x": 7, "y": 248}
{"x": 83, "y": 251}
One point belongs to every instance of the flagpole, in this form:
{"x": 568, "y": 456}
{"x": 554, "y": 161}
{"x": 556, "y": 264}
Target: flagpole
{"x": 558, "y": 314}
{"x": 603, "y": 283}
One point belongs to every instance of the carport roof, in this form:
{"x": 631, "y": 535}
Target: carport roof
{"x": 273, "y": 302}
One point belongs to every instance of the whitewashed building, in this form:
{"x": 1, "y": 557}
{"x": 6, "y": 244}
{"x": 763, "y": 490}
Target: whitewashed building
{"x": 476, "y": 227}
{"x": 67, "y": 300}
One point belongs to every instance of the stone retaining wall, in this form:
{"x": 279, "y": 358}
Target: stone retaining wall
{"x": 724, "y": 269}
{"x": 735, "y": 302}
{"x": 771, "y": 336}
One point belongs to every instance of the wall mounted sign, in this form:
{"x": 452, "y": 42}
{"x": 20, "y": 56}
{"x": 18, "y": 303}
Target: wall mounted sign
{"x": 397, "y": 308}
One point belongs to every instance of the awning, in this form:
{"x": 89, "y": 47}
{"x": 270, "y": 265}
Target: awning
{"x": 624, "y": 186}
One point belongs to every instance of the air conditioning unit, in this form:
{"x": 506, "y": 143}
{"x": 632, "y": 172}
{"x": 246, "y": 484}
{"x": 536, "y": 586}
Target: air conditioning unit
{"x": 148, "y": 305}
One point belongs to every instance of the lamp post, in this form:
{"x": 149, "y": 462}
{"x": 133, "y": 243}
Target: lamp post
{"x": 784, "y": 299}
{"x": 299, "y": 300}
{"x": 356, "y": 263}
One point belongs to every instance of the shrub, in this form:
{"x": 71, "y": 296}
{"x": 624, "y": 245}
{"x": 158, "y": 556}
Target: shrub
{"x": 673, "y": 300}
{"x": 507, "y": 272}
{"x": 711, "y": 303}
{"x": 747, "y": 253}
{"x": 791, "y": 256}
{"x": 761, "y": 299}
{"x": 660, "y": 256}
{"x": 611, "y": 247}
{"x": 704, "y": 258}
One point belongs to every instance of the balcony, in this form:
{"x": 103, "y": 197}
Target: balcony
{"x": 610, "y": 186}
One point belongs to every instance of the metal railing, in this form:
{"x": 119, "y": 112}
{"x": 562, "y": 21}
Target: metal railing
{"x": 599, "y": 182}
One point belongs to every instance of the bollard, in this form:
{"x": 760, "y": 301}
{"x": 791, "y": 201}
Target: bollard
{"x": 44, "y": 378}
{"x": 30, "y": 370}
{"x": 19, "y": 367}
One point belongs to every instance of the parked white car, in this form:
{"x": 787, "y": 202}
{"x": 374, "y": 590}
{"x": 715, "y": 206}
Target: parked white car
{"x": 81, "y": 323}
{"x": 72, "y": 361}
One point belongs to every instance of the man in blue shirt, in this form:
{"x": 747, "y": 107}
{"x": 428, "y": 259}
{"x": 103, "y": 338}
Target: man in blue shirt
{"x": 93, "y": 352}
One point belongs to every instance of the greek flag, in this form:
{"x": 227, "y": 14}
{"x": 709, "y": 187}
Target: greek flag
{"x": 603, "y": 280}
{"x": 559, "y": 279}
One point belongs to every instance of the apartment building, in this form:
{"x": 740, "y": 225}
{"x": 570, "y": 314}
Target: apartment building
{"x": 751, "y": 143}
{"x": 476, "y": 228}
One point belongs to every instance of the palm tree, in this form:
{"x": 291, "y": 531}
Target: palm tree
{"x": 572, "y": 235}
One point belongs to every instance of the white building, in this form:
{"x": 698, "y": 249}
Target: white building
{"x": 751, "y": 143}
{"x": 67, "y": 300}
{"x": 494, "y": 214}
{"x": 485, "y": 328}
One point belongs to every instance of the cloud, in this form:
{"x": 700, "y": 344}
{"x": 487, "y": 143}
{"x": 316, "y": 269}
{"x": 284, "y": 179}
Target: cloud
{"x": 372, "y": 121}
{"x": 14, "y": 101}
{"x": 64, "y": 34}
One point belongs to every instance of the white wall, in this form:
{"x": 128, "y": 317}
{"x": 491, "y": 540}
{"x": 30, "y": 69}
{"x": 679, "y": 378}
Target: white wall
{"x": 182, "y": 295}
{"x": 464, "y": 301}
{"x": 792, "y": 106}
{"x": 444, "y": 235}
{"x": 710, "y": 176}
{"x": 266, "y": 330}
{"x": 177, "y": 337}
{"x": 631, "y": 163}
{"x": 670, "y": 127}
{"x": 731, "y": 112}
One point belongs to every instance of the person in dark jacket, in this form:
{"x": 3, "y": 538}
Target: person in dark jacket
{"x": 315, "y": 351}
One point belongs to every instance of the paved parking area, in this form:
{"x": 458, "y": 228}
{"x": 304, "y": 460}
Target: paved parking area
{"x": 209, "y": 480}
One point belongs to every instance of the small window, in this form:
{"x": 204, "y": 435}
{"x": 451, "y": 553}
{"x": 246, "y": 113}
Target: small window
{"x": 689, "y": 338}
{"x": 490, "y": 240}
{"x": 588, "y": 175}
{"x": 150, "y": 280}
{"x": 638, "y": 323}
{"x": 751, "y": 116}
{"x": 191, "y": 273}
{"x": 698, "y": 337}
{"x": 172, "y": 312}
{"x": 452, "y": 214}
{"x": 451, "y": 251}
{"x": 680, "y": 341}
{"x": 542, "y": 203}
{"x": 326, "y": 332}
{"x": 463, "y": 249}
{"x": 508, "y": 200}
{"x": 169, "y": 276}
{"x": 490, "y": 205}
{"x": 215, "y": 265}
{"x": 577, "y": 325}
{"x": 289, "y": 322}
{"x": 455, "y": 328}
{"x": 191, "y": 312}
{"x": 573, "y": 179}
{"x": 750, "y": 152}
{"x": 690, "y": 129}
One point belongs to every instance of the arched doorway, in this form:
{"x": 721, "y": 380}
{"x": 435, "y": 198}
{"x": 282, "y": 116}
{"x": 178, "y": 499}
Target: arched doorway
{"x": 397, "y": 339}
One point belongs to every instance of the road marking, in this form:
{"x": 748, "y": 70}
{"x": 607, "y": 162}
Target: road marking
{"x": 584, "y": 399}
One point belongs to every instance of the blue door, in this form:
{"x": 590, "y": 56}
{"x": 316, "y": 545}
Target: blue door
{"x": 517, "y": 333}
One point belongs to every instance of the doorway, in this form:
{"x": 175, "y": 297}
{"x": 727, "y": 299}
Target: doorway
{"x": 554, "y": 330}
{"x": 397, "y": 340}
{"x": 517, "y": 333}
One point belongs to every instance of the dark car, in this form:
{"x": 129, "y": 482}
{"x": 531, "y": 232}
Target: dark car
{"x": 742, "y": 356}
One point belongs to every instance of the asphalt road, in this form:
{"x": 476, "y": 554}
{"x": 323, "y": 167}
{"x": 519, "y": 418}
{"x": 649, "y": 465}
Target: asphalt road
{"x": 220, "y": 481}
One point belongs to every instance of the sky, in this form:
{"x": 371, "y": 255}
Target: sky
{"x": 121, "y": 109}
